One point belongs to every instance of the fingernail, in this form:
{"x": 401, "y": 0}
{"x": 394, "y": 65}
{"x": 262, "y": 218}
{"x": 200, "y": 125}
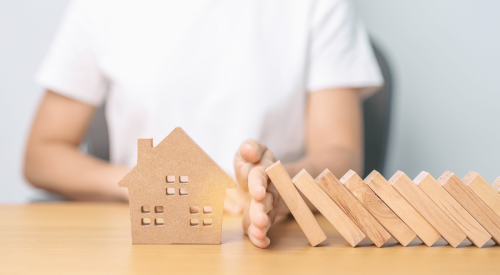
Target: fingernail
{"x": 251, "y": 146}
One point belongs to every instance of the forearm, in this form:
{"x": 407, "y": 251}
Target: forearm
{"x": 61, "y": 168}
{"x": 337, "y": 160}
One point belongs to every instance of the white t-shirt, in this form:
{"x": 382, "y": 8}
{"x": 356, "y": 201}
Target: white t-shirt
{"x": 224, "y": 70}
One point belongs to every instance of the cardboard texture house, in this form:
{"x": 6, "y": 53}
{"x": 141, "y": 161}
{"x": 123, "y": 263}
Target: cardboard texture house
{"x": 176, "y": 193}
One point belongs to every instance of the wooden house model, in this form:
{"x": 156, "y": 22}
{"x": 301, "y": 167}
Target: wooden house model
{"x": 176, "y": 193}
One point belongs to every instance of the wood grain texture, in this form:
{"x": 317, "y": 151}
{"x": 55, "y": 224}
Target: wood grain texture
{"x": 426, "y": 207}
{"x": 483, "y": 190}
{"x": 352, "y": 208}
{"x": 496, "y": 185}
{"x": 156, "y": 181}
{"x": 295, "y": 203}
{"x": 326, "y": 206}
{"x": 94, "y": 238}
{"x": 402, "y": 208}
{"x": 474, "y": 231}
{"x": 472, "y": 203}
{"x": 379, "y": 210}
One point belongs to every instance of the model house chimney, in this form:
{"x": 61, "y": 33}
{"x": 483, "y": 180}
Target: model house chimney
{"x": 144, "y": 147}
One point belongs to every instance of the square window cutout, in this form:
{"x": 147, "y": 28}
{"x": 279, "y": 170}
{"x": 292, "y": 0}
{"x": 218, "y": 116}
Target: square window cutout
{"x": 145, "y": 209}
{"x": 194, "y": 222}
{"x": 170, "y": 191}
{"x": 183, "y": 179}
{"x": 170, "y": 179}
{"x": 207, "y": 222}
{"x": 159, "y": 221}
{"x": 194, "y": 209}
{"x": 183, "y": 191}
{"x": 207, "y": 210}
{"x": 145, "y": 221}
{"x": 159, "y": 209}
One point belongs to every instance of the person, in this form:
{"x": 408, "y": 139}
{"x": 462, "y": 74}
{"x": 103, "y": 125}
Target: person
{"x": 269, "y": 80}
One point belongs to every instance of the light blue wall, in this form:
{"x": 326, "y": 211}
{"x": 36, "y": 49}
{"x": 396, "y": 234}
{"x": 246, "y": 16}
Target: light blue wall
{"x": 445, "y": 54}
{"x": 26, "y": 29}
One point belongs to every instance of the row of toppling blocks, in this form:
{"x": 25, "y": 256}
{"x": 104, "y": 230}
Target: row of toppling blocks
{"x": 376, "y": 208}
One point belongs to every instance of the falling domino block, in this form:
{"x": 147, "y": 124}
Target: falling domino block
{"x": 346, "y": 227}
{"x": 380, "y": 211}
{"x": 483, "y": 190}
{"x": 402, "y": 208}
{"x": 295, "y": 203}
{"x": 496, "y": 185}
{"x": 472, "y": 203}
{"x": 352, "y": 208}
{"x": 474, "y": 231}
{"x": 436, "y": 218}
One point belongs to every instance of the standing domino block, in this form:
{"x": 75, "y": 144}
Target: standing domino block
{"x": 496, "y": 185}
{"x": 417, "y": 198}
{"x": 295, "y": 203}
{"x": 402, "y": 208}
{"x": 472, "y": 203}
{"x": 483, "y": 190}
{"x": 396, "y": 227}
{"x": 352, "y": 208}
{"x": 346, "y": 227}
{"x": 474, "y": 231}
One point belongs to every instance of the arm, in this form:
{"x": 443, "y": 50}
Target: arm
{"x": 334, "y": 133}
{"x": 334, "y": 140}
{"x": 53, "y": 161}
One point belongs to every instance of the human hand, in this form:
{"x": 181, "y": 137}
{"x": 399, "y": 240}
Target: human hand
{"x": 250, "y": 165}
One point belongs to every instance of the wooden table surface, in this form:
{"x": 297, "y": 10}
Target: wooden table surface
{"x": 78, "y": 238}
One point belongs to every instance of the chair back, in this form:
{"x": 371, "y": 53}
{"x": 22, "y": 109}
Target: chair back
{"x": 376, "y": 114}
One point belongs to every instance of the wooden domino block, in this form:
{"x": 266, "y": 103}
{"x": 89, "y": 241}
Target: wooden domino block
{"x": 496, "y": 185}
{"x": 346, "y": 227}
{"x": 433, "y": 214}
{"x": 474, "y": 231}
{"x": 402, "y": 208}
{"x": 295, "y": 203}
{"x": 483, "y": 190}
{"x": 380, "y": 211}
{"x": 472, "y": 203}
{"x": 352, "y": 208}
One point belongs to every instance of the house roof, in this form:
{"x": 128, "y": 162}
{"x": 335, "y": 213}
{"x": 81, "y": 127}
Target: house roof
{"x": 177, "y": 152}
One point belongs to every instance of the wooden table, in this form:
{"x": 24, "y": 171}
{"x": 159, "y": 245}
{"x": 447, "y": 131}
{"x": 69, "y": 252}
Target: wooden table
{"x": 77, "y": 238}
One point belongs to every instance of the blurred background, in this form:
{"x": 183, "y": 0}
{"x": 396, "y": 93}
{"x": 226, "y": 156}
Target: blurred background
{"x": 444, "y": 56}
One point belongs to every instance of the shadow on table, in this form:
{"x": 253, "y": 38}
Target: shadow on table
{"x": 287, "y": 234}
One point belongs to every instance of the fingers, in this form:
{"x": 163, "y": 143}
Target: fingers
{"x": 257, "y": 183}
{"x": 252, "y": 151}
{"x": 258, "y": 214}
{"x": 250, "y": 163}
{"x": 260, "y": 220}
{"x": 255, "y": 212}
{"x": 250, "y": 155}
{"x": 258, "y": 242}
{"x": 257, "y": 179}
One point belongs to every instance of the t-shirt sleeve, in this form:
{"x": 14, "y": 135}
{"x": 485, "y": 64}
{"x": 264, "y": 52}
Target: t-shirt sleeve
{"x": 340, "y": 51}
{"x": 70, "y": 67}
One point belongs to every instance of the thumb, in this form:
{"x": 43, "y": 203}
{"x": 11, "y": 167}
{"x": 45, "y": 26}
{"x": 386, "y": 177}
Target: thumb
{"x": 252, "y": 151}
